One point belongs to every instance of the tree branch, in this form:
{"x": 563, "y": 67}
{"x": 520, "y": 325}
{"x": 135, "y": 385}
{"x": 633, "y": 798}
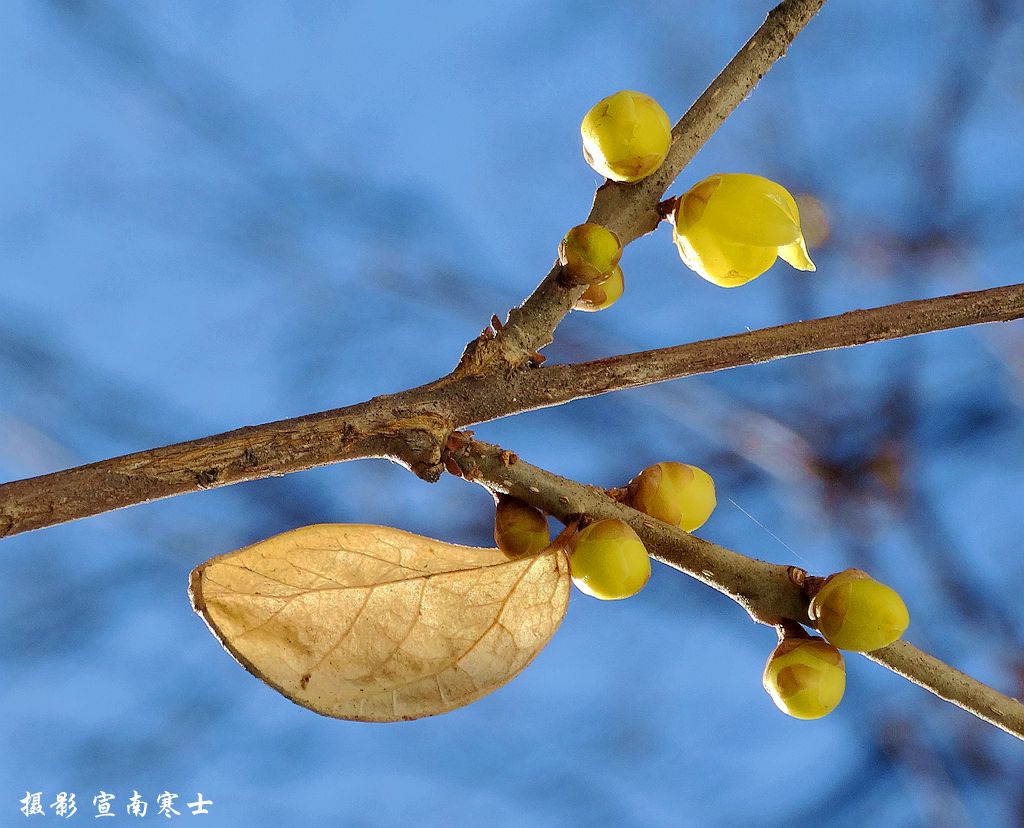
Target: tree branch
{"x": 411, "y": 426}
{"x": 769, "y": 592}
{"x": 560, "y": 383}
{"x": 397, "y": 426}
{"x": 631, "y": 210}
{"x": 951, "y": 685}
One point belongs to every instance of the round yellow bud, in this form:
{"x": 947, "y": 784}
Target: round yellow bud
{"x": 519, "y": 529}
{"x": 805, "y": 677}
{"x": 589, "y": 253}
{"x": 602, "y": 294}
{"x": 609, "y": 561}
{"x": 856, "y": 612}
{"x": 730, "y": 228}
{"x": 676, "y": 493}
{"x": 626, "y": 136}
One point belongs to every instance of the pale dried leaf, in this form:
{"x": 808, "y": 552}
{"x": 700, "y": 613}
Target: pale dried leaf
{"x": 376, "y": 624}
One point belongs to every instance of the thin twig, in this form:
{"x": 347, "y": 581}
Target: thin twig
{"x": 951, "y": 685}
{"x": 860, "y": 327}
{"x": 771, "y": 593}
{"x": 410, "y": 426}
{"x": 631, "y": 210}
{"x": 767, "y": 591}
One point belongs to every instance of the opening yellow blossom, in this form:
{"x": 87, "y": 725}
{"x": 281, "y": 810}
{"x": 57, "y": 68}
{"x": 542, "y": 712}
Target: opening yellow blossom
{"x": 731, "y": 227}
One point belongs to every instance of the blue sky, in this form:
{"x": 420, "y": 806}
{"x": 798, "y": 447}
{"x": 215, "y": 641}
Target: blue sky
{"x": 219, "y": 215}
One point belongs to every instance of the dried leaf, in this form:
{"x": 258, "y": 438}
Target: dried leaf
{"x": 375, "y": 624}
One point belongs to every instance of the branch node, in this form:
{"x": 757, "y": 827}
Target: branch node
{"x": 788, "y": 628}
{"x": 617, "y": 493}
{"x": 667, "y": 208}
{"x": 417, "y": 441}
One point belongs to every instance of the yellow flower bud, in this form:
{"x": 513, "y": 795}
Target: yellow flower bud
{"x": 730, "y": 228}
{"x": 519, "y": 529}
{"x": 626, "y": 136}
{"x": 609, "y": 561}
{"x": 805, "y": 677}
{"x": 856, "y": 612}
{"x": 603, "y": 294}
{"x": 676, "y": 493}
{"x": 589, "y": 253}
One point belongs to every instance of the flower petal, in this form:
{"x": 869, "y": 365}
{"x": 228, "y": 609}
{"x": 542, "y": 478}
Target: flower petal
{"x": 749, "y": 209}
{"x": 796, "y": 255}
{"x": 719, "y": 261}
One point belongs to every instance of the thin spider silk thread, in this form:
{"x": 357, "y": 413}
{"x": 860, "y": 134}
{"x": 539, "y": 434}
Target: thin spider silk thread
{"x": 769, "y": 531}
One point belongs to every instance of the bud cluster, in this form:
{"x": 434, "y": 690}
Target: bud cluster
{"x": 589, "y": 255}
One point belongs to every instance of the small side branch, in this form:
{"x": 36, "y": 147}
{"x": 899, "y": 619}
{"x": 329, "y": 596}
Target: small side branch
{"x": 631, "y": 210}
{"x": 558, "y": 383}
{"x": 770, "y": 593}
{"x": 767, "y": 591}
{"x": 951, "y": 685}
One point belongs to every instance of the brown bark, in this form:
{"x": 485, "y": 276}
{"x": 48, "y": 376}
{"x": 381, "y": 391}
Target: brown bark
{"x": 631, "y": 210}
{"x": 772, "y": 594}
{"x": 411, "y": 426}
{"x": 415, "y": 427}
